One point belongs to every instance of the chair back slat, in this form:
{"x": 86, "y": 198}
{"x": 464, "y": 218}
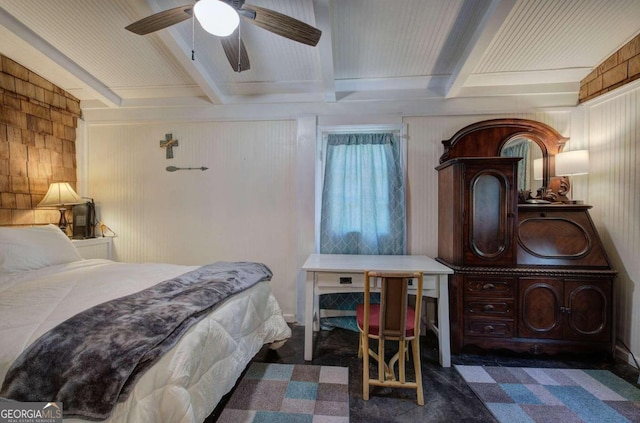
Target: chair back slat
{"x": 393, "y": 314}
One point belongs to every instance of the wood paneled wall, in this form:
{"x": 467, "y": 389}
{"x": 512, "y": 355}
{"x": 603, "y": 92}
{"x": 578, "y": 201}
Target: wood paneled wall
{"x": 242, "y": 208}
{"x": 614, "y": 192}
{"x": 38, "y": 123}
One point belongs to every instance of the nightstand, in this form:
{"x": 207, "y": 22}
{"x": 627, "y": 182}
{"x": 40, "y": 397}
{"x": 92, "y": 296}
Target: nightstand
{"x": 94, "y": 248}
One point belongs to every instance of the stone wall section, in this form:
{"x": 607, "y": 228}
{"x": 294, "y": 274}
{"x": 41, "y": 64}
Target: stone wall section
{"x": 38, "y": 122}
{"x": 619, "y": 69}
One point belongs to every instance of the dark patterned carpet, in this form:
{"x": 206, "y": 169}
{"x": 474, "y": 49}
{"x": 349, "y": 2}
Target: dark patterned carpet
{"x": 294, "y": 393}
{"x": 550, "y": 395}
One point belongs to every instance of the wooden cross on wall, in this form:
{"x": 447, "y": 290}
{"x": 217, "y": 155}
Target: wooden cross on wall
{"x": 168, "y": 142}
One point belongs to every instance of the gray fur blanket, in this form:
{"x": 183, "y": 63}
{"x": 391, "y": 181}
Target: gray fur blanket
{"x": 93, "y": 359}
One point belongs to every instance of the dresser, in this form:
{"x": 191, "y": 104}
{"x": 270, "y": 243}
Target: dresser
{"x": 528, "y": 276}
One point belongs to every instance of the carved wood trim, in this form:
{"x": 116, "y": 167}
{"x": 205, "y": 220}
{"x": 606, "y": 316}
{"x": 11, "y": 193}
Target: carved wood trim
{"x": 552, "y": 141}
{"x": 486, "y": 139}
{"x": 531, "y": 271}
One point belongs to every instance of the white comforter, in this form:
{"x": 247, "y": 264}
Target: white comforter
{"x": 186, "y": 383}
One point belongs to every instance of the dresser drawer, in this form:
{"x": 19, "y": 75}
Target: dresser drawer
{"x": 489, "y": 307}
{"x": 484, "y": 327}
{"x": 346, "y": 280}
{"x": 488, "y": 286}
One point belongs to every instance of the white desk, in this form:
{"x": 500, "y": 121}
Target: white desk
{"x": 335, "y": 273}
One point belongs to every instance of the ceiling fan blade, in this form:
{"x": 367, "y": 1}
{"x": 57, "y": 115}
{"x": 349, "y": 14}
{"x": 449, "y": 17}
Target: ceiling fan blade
{"x": 230, "y": 46}
{"x": 283, "y": 25}
{"x": 161, "y": 20}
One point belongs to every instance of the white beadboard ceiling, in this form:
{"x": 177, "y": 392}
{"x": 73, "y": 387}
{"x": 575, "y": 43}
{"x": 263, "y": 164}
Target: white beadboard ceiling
{"x": 384, "y": 56}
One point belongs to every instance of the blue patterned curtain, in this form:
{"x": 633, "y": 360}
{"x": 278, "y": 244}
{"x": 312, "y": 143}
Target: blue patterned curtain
{"x": 363, "y": 204}
{"x": 520, "y": 149}
{"x": 363, "y": 207}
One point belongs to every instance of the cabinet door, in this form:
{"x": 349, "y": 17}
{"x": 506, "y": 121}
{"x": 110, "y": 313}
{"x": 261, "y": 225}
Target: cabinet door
{"x": 489, "y": 214}
{"x": 588, "y": 310}
{"x": 540, "y": 306}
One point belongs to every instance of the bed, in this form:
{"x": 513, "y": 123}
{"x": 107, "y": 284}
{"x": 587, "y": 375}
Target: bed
{"x": 44, "y": 282}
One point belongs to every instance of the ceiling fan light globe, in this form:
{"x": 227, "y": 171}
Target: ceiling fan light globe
{"x": 216, "y": 17}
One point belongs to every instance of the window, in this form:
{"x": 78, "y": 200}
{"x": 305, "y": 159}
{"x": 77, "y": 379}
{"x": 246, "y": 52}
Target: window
{"x": 363, "y": 205}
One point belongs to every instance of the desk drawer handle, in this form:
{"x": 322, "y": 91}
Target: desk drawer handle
{"x": 488, "y": 286}
{"x": 488, "y": 307}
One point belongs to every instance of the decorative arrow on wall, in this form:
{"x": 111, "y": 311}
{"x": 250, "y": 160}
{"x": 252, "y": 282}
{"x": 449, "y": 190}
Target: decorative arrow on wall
{"x": 173, "y": 168}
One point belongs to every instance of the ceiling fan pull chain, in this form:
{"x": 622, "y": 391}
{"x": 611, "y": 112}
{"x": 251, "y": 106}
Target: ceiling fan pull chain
{"x": 193, "y": 38}
{"x": 239, "y": 46}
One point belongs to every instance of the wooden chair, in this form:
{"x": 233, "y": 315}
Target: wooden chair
{"x": 393, "y": 319}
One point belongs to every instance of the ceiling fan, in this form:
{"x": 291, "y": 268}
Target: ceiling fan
{"x": 226, "y": 13}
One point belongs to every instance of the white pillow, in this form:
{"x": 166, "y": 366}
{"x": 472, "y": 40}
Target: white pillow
{"x": 35, "y": 247}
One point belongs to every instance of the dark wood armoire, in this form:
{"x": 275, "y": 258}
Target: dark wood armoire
{"x": 530, "y": 271}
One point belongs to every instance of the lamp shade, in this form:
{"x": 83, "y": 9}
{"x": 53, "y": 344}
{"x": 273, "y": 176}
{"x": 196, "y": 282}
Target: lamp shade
{"x": 216, "y": 17}
{"x": 60, "y": 194}
{"x": 572, "y": 163}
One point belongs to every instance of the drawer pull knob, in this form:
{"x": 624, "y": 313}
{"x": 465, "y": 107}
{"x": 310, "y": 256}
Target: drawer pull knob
{"x": 488, "y": 328}
{"x": 488, "y": 286}
{"x": 535, "y": 349}
{"x": 488, "y": 307}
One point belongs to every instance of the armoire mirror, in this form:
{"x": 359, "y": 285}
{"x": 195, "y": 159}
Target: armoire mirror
{"x": 530, "y": 169}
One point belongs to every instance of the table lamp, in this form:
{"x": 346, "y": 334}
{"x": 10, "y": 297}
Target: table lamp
{"x": 61, "y": 195}
{"x": 571, "y": 163}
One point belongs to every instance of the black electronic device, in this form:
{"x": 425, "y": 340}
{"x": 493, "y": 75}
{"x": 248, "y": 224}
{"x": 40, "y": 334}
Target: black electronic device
{"x": 84, "y": 220}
